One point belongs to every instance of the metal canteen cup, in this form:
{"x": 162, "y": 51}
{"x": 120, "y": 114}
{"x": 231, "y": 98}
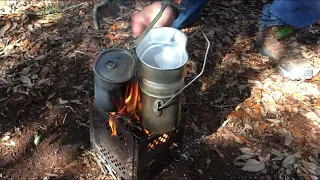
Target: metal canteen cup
{"x": 162, "y": 59}
{"x": 159, "y": 90}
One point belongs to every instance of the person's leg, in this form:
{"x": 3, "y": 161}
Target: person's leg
{"x": 191, "y": 13}
{"x": 277, "y": 23}
{"x": 296, "y": 13}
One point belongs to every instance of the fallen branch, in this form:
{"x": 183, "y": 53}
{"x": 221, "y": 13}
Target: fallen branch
{"x": 74, "y": 6}
{"x": 95, "y": 12}
{"x": 82, "y": 124}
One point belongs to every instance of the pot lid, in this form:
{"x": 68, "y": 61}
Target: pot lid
{"x": 114, "y": 65}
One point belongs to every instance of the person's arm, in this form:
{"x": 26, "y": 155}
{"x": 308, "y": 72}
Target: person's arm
{"x": 170, "y": 17}
{"x": 191, "y": 13}
{"x": 143, "y": 18}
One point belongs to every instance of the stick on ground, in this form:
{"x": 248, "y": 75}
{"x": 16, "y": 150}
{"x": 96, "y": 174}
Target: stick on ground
{"x": 95, "y": 12}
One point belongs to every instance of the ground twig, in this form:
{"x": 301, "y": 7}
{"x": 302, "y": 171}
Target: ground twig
{"x": 196, "y": 142}
{"x": 75, "y": 112}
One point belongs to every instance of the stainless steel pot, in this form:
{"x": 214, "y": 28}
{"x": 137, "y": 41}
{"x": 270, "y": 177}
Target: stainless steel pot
{"x": 113, "y": 69}
{"x": 162, "y": 59}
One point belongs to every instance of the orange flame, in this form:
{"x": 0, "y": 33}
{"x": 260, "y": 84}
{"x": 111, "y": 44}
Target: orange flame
{"x": 129, "y": 105}
{"x": 112, "y": 125}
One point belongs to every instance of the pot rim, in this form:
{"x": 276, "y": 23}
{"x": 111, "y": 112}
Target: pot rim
{"x": 167, "y": 69}
{"x": 98, "y": 57}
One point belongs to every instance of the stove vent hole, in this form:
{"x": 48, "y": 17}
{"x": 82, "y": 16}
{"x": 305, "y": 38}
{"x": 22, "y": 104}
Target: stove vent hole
{"x": 103, "y": 150}
{"x": 162, "y": 139}
{"x": 101, "y": 120}
{"x": 108, "y": 127}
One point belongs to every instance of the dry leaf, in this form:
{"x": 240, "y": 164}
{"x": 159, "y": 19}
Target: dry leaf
{"x": 230, "y": 85}
{"x": 295, "y": 132}
{"x": 278, "y": 158}
{"x": 26, "y": 80}
{"x": 25, "y": 43}
{"x": 289, "y": 160}
{"x": 62, "y": 101}
{"x": 14, "y": 25}
{"x": 238, "y": 114}
{"x": 247, "y": 151}
{"x": 12, "y": 143}
{"x": 219, "y": 100}
{"x": 40, "y": 57}
{"x": 253, "y": 165}
{"x": 37, "y": 140}
{"x": 244, "y": 157}
{"x": 274, "y": 121}
{"x": 111, "y": 36}
{"x": 312, "y": 116}
{"x": 242, "y": 138}
{"x": 113, "y": 28}
{"x": 288, "y": 139}
{"x": 31, "y": 29}
{"x": 219, "y": 152}
{"x": 5, "y": 138}
{"x": 262, "y": 127}
{"x": 76, "y": 101}
{"x": 51, "y": 95}
{"x": 49, "y": 105}
{"x": 35, "y": 49}
{"x": 7, "y": 133}
{"x": 196, "y": 52}
{"x": 5, "y": 28}
{"x": 256, "y": 108}
{"x": 236, "y": 163}
{"x": 311, "y": 167}
{"x": 42, "y": 81}
{"x": 276, "y": 152}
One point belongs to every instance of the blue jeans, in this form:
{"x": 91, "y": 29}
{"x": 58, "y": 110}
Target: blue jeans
{"x": 192, "y": 12}
{"x": 297, "y": 13}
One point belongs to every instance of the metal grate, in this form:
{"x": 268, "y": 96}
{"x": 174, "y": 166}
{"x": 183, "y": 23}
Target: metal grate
{"x": 110, "y": 158}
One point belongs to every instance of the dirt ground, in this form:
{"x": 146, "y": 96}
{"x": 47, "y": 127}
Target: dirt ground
{"x": 245, "y": 120}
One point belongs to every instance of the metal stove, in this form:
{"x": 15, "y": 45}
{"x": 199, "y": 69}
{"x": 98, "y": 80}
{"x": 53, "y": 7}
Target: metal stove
{"x": 131, "y": 152}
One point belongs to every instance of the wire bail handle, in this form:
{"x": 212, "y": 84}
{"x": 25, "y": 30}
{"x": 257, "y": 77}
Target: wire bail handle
{"x": 164, "y": 4}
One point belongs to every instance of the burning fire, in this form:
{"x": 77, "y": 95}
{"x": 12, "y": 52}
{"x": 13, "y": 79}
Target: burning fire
{"x": 113, "y": 126}
{"x": 129, "y": 106}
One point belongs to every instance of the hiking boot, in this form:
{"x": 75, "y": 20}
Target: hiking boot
{"x": 278, "y": 43}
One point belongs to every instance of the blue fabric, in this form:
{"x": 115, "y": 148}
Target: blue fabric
{"x": 191, "y": 14}
{"x": 296, "y": 13}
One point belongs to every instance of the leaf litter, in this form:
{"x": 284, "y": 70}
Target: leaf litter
{"x": 282, "y": 114}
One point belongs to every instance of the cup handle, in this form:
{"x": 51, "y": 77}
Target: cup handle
{"x": 202, "y": 70}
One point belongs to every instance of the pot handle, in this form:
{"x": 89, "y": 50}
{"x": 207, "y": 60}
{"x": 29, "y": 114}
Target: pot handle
{"x": 162, "y": 105}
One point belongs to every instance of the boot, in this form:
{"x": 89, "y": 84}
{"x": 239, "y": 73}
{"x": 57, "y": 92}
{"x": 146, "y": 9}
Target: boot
{"x": 278, "y": 43}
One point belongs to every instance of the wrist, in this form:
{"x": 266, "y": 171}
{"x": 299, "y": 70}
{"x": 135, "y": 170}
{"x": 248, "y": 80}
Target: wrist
{"x": 175, "y": 11}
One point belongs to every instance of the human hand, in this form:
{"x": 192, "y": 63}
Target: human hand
{"x": 143, "y": 18}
